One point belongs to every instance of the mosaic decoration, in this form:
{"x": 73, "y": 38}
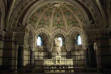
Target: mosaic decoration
{"x": 71, "y": 21}
{"x": 58, "y": 18}
{"x": 57, "y": 14}
{"x": 34, "y": 18}
{"x": 45, "y": 19}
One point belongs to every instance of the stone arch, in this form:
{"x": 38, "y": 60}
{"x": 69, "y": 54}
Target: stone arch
{"x": 73, "y": 34}
{"x": 94, "y": 11}
{"x": 43, "y": 30}
{"x": 45, "y": 37}
{"x": 57, "y": 33}
{"x": 46, "y": 44}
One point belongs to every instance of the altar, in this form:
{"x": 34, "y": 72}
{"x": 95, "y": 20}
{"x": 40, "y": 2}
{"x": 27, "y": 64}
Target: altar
{"x": 58, "y": 64}
{"x": 58, "y": 60}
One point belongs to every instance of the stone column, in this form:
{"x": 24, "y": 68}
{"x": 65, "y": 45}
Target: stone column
{"x": 30, "y": 45}
{"x": 31, "y": 55}
{"x": 69, "y": 45}
{"x": 103, "y": 53}
{"x": 18, "y": 51}
{"x": 98, "y": 55}
{"x": 49, "y": 47}
{"x": 1, "y": 47}
{"x": 90, "y": 55}
{"x": 8, "y": 51}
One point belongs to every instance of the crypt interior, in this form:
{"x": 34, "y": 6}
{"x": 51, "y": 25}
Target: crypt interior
{"x": 55, "y": 36}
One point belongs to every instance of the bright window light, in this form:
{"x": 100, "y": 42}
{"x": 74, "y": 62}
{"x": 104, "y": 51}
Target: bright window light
{"x": 61, "y": 41}
{"x": 39, "y": 41}
{"x": 79, "y": 41}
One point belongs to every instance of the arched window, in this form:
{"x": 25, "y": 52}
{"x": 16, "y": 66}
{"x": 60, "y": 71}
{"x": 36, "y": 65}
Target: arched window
{"x": 61, "y": 41}
{"x": 79, "y": 41}
{"x": 39, "y": 41}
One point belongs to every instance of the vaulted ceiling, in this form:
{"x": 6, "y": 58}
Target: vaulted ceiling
{"x": 87, "y": 14}
{"x": 57, "y": 15}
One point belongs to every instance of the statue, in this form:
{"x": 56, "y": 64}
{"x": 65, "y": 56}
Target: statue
{"x": 57, "y": 46}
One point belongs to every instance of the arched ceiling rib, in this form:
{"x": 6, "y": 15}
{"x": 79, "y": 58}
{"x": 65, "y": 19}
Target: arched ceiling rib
{"x": 77, "y": 14}
{"x": 95, "y": 13}
{"x": 61, "y": 16}
{"x": 23, "y": 11}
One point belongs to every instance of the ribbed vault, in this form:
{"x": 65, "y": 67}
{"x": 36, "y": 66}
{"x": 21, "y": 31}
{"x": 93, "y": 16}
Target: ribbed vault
{"x": 56, "y": 15}
{"x": 81, "y": 13}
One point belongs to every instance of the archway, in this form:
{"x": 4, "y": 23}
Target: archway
{"x": 49, "y": 12}
{"x": 42, "y": 45}
{"x": 20, "y": 58}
